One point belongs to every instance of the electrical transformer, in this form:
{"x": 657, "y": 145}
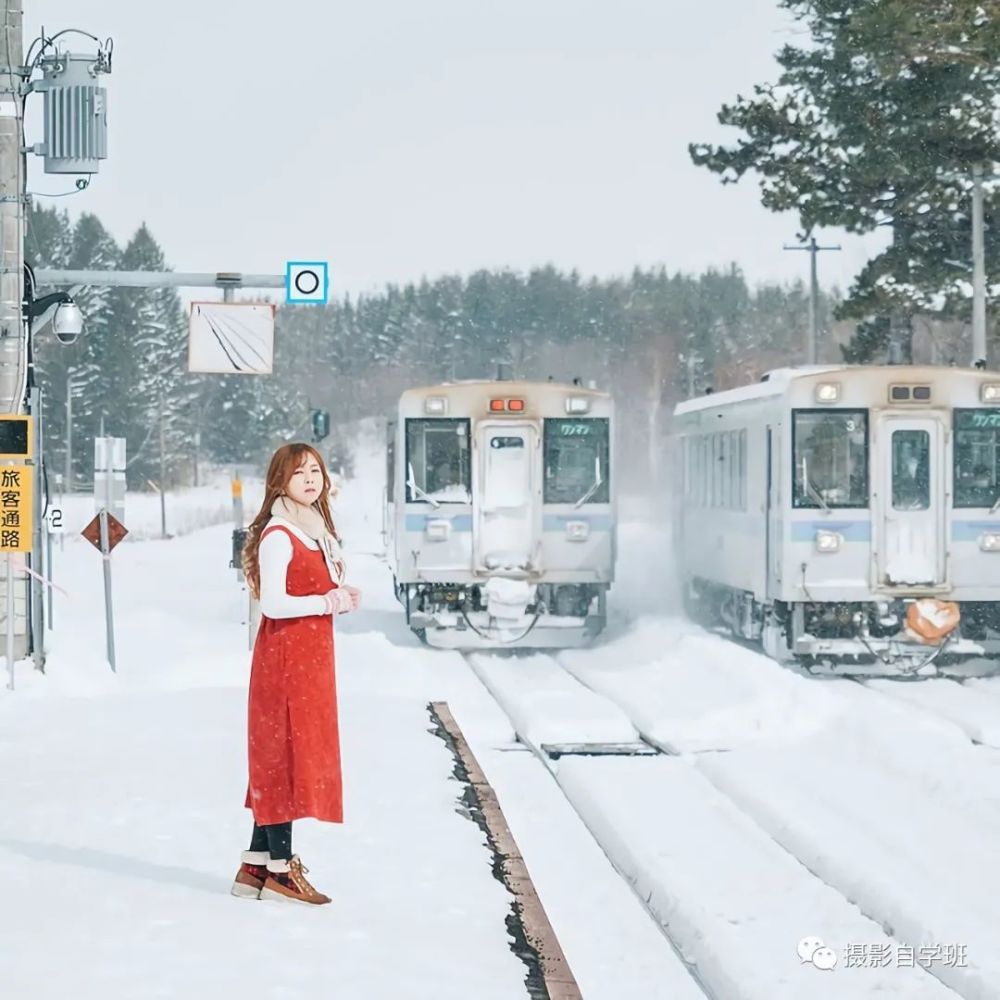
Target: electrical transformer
{"x": 76, "y": 112}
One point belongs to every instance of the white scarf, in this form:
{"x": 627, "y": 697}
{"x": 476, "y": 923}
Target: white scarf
{"x": 310, "y": 522}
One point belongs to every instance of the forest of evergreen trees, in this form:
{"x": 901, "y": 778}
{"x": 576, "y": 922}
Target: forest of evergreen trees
{"x": 650, "y": 338}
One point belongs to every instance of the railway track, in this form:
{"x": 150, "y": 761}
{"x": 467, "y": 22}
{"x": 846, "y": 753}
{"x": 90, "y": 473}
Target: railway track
{"x": 621, "y": 772}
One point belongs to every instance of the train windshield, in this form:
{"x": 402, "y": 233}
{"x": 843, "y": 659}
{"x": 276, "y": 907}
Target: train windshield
{"x": 977, "y": 474}
{"x": 438, "y": 468}
{"x": 831, "y": 458}
{"x": 577, "y": 460}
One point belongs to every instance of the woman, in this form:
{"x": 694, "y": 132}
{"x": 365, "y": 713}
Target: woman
{"x": 293, "y": 564}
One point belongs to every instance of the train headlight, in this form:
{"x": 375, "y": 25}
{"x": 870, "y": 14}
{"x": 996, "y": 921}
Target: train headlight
{"x": 438, "y": 531}
{"x": 827, "y": 541}
{"x": 577, "y": 404}
{"x": 990, "y": 392}
{"x": 577, "y": 531}
{"x": 828, "y": 392}
{"x": 436, "y": 405}
{"x": 990, "y": 542}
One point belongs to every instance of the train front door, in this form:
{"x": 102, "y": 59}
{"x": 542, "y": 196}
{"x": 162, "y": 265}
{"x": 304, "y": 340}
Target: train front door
{"x": 909, "y": 502}
{"x": 506, "y": 507}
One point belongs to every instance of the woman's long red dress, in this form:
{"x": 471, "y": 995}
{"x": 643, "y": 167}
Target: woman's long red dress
{"x": 294, "y": 742}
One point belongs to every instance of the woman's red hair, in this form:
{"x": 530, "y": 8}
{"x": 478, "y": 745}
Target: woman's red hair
{"x": 283, "y": 465}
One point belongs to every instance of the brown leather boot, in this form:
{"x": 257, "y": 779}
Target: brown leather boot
{"x": 252, "y": 875}
{"x": 290, "y": 884}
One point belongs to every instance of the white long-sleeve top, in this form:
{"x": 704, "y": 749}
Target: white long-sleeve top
{"x": 274, "y": 554}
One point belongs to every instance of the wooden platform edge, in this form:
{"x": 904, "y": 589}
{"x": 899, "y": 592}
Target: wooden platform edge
{"x": 539, "y": 935}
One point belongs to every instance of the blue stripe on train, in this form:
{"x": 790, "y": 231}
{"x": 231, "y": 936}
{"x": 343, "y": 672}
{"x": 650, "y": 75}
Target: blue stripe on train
{"x": 969, "y": 531}
{"x": 418, "y": 522}
{"x": 550, "y": 522}
{"x": 861, "y": 531}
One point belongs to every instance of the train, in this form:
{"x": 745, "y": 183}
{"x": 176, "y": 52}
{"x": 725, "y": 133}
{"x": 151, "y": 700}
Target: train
{"x": 500, "y": 512}
{"x": 845, "y": 518}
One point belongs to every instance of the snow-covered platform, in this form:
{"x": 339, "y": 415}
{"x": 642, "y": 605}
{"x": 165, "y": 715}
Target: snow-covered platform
{"x": 779, "y": 809}
{"x": 122, "y": 814}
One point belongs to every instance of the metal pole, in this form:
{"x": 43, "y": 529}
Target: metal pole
{"x": 226, "y": 280}
{"x": 978, "y": 269}
{"x": 10, "y": 622}
{"x": 36, "y": 586}
{"x": 813, "y": 341}
{"x": 69, "y": 429}
{"x": 812, "y": 335}
{"x": 163, "y": 473}
{"x": 62, "y": 507}
{"x": 13, "y": 333}
{"x": 51, "y": 575}
{"x": 109, "y": 620}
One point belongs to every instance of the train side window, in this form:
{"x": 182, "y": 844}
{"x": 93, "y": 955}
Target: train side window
{"x": 577, "y": 460}
{"x": 704, "y": 468}
{"x": 727, "y": 470}
{"x": 438, "y": 465}
{"x": 743, "y": 470}
{"x": 390, "y": 461}
{"x": 716, "y": 470}
{"x": 830, "y": 458}
{"x": 977, "y": 457}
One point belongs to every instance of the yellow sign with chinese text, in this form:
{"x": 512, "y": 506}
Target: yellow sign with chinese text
{"x": 15, "y": 508}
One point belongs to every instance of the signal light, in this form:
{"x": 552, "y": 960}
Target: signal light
{"x": 496, "y": 406}
{"x": 515, "y": 405}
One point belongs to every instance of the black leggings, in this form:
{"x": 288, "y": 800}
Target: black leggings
{"x": 276, "y": 838}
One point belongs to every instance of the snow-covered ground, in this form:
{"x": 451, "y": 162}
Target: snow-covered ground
{"x": 783, "y": 808}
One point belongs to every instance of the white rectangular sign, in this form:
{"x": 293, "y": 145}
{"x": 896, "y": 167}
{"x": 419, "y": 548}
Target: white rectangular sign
{"x": 231, "y": 338}
{"x": 54, "y": 521}
{"x": 101, "y": 446}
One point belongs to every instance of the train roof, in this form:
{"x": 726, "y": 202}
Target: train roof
{"x": 776, "y": 382}
{"x": 505, "y": 385}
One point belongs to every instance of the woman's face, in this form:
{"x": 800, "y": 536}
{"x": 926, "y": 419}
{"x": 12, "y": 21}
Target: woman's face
{"x": 306, "y": 483}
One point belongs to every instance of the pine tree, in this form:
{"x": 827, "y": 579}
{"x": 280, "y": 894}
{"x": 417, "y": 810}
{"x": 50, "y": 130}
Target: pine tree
{"x": 877, "y": 122}
{"x": 142, "y": 361}
{"x": 53, "y": 242}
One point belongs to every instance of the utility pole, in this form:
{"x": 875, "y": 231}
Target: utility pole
{"x": 163, "y": 471}
{"x": 69, "y": 428}
{"x": 978, "y": 270}
{"x": 13, "y": 330}
{"x": 812, "y": 341}
{"x": 692, "y": 363}
{"x": 13, "y": 333}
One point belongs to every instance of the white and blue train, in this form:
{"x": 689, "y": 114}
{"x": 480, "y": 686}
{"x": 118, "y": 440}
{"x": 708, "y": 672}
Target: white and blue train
{"x": 847, "y": 518}
{"x": 499, "y": 514}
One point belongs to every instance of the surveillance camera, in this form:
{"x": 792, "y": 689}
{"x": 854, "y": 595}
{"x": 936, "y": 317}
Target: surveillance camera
{"x": 67, "y": 323}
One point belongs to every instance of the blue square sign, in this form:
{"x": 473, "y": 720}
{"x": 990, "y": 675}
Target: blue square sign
{"x": 307, "y": 282}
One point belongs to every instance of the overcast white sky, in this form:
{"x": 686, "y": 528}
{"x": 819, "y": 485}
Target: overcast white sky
{"x": 399, "y": 139}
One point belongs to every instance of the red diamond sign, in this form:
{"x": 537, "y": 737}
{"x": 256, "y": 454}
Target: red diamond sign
{"x": 116, "y": 532}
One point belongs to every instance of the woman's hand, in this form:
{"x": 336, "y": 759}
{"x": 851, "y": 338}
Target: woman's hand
{"x": 342, "y": 600}
{"x": 355, "y": 596}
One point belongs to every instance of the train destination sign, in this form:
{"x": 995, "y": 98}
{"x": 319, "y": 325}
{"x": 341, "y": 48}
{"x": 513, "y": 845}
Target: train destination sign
{"x": 976, "y": 420}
